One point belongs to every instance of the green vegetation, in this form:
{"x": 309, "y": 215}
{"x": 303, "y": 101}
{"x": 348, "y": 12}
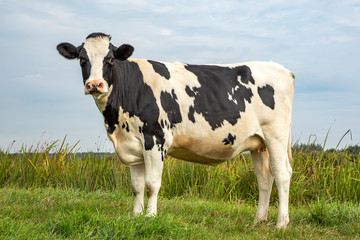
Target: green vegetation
{"x": 52, "y": 192}
{"x": 51, "y": 213}
{"x": 316, "y": 174}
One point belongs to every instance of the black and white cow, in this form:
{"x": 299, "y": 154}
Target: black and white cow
{"x": 200, "y": 113}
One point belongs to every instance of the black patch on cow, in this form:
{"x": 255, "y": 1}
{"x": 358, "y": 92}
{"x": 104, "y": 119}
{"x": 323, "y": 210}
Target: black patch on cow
{"x": 230, "y": 139}
{"x": 191, "y": 114}
{"x": 164, "y": 155}
{"x": 140, "y": 129}
{"x": 245, "y": 74}
{"x": 136, "y": 98}
{"x": 189, "y": 92}
{"x": 98, "y": 34}
{"x": 171, "y": 107}
{"x": 85, "y": 64}
{"x": 111, "y": 116}
{"x": 221, "y": 96}
{"x": 160, "y": 68}
{"x": 266, "y": 94}
{"x": 108, "y": 63}
{"x": 166, "y": 124}
{"x": 126, "y": 126}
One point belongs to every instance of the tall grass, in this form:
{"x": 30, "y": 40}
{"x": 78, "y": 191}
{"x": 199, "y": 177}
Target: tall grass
{"x": 331, "y": 175}
{"x": 319, "y": 174}
{"x": 234, "y": 180}
{"x": 56, "y": 165}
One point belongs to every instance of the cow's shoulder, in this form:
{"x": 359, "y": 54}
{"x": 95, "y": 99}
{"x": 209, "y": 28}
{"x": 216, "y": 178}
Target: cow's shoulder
{"x": 136, "y": 99}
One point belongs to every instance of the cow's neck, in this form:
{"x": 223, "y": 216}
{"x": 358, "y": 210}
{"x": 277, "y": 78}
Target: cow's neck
{"x": 130, "y": 91}
{"x": 131, "y": 94}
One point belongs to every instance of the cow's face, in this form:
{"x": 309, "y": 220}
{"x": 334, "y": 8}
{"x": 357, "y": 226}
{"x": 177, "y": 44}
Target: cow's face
{"x": 97, "y": 58}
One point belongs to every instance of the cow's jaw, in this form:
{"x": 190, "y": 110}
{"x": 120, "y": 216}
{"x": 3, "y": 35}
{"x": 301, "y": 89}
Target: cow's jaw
{"x": 102, "y": 99}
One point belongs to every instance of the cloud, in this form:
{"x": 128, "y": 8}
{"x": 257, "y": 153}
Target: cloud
{"x": 34, "y": 17}
{"x": 317, "y": 40}
{"x": 165, "y": 32}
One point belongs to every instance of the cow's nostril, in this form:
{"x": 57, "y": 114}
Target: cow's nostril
{"x": 94, "y": 87}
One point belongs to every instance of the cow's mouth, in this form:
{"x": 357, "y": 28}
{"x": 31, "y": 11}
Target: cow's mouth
{"x": 95, "y": 92}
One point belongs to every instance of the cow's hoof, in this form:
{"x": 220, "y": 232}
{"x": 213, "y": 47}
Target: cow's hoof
{"x": 137, "y": 214}
{"x": 150, "y": 214}
{"x": 260, "y": 219}
{"x": 282, "y": 222}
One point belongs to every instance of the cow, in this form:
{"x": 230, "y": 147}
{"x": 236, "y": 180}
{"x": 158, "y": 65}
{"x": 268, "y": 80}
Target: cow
{"x": 205, "y": 114}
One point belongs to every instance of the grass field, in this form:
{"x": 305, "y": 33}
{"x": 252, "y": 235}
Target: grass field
{"x": 49, "y": 213}
{"x": 49, "y": 192}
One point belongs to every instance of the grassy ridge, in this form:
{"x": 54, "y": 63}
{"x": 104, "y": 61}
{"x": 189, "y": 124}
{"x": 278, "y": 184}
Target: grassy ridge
{"x": 328, "y": 175}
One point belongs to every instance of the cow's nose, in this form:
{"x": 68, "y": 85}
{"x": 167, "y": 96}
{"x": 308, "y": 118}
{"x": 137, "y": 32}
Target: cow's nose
{"x": 94, "y": 86}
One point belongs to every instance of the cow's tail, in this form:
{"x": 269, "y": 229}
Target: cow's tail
{"x": 289, "y": 150}
{"x": 289, "y": 140}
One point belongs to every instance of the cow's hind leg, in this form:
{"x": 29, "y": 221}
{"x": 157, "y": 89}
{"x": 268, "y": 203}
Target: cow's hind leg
{"x": 281, "y": 168}
{"x": 265, "y": 178}
{"x": 137, "y": 173}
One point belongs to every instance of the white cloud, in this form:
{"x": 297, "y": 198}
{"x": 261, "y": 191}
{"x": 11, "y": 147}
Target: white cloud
{"x": 165, "y": 32}
{"x": 317, "y": 40}
{"x": 349, "y": 21}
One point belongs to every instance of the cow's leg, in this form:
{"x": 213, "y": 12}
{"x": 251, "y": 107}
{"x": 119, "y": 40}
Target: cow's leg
{"x": 153, "y": 173}
{"x": 265, "y": 178}
{"x": 137, "y": 173}
{"x": 281, "y": 168}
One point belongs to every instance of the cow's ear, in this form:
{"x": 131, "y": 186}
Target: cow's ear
{"x": 123, "y": 52}
{"x": 68, "y": 50}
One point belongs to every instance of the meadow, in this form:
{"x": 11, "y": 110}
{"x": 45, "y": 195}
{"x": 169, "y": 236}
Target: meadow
{"x": 51, "y": 192}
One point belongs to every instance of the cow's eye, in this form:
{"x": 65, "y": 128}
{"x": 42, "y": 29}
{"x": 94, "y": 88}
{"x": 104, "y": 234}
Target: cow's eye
{"x": 111, "y": 60}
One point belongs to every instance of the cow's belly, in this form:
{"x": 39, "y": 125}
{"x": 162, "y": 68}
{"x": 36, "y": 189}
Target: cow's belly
{"x": 186, "y": 155}
{"x": 206, "y": 152}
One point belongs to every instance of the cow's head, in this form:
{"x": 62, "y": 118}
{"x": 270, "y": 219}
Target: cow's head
{"x": 97, "y": 57}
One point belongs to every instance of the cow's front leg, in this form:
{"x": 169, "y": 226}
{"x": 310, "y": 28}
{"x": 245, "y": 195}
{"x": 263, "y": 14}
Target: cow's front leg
{"x": 153, "y": 173}
{"x": 137, "y": 173}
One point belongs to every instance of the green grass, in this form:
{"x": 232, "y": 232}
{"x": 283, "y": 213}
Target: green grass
{"x": 49, "y": 192}
{"x": 49, "y": 213}
{"x": 328, "y": 175}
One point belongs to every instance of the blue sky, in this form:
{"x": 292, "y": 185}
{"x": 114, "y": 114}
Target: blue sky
{"x": 42, "y": 93}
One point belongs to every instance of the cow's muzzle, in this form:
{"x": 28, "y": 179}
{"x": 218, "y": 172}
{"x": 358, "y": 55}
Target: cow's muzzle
{"x": 94, "y": 87}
